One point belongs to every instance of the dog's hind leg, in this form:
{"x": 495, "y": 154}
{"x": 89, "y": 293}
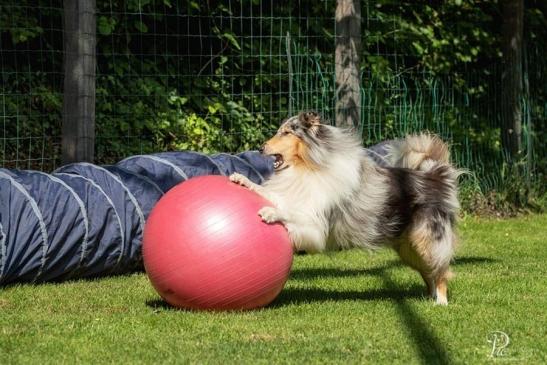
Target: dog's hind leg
{"x": 418, "y": 261}
{"x": 441, "y": 286}
{"x": 430, "y": 282}
{"x": 433, "y": 243}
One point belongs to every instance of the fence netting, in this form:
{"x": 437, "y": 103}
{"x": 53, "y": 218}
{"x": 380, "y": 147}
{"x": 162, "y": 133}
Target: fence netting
{"x": 221, "y": 75}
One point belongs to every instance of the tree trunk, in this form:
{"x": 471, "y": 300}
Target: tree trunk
{"x": 347, "y": 65}
{"x": 78, "y": 141}
{"x": 512, "y": 76}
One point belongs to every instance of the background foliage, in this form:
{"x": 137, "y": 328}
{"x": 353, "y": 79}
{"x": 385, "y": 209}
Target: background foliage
{"x": 220, "y": 75}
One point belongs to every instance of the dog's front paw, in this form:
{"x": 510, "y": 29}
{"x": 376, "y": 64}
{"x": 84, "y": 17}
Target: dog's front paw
{"x": 269, "y": 215}
{"x": 241, "y": 180}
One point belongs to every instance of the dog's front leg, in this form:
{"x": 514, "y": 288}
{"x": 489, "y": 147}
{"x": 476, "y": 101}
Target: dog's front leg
{"x": 268, "y": 214}
{"x": 272, "y": 215}
{"x": 245, "y": 182}
{"x": 304, "y": 237}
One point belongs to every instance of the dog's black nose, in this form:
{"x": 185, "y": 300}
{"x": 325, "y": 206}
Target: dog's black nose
{"x": 261, "y": 149}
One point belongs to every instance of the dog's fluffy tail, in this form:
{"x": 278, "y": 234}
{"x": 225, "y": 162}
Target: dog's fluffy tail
{"x": 418, "y": 152}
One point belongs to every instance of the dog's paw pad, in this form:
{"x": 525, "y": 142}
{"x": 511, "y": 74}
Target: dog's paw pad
{"x": 268, "y": 214}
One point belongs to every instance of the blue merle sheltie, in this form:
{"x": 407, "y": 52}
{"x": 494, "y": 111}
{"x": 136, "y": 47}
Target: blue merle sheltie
{"x": 330, "y": 194}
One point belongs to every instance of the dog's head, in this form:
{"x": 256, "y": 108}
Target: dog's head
{"x": 296, "y": 142}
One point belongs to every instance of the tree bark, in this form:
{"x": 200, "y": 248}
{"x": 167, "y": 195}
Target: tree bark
{"x": 78, "y": 129}
{"x": 512, "y": 77}
{"x": 347, "y": 63}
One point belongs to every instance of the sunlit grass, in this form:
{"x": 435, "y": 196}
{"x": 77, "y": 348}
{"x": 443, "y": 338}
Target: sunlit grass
{"x": 347, "y": 307}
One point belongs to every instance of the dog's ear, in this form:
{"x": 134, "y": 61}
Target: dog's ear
{"x": 309, "y": 119}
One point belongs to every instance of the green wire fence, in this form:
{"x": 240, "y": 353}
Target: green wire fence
{"x": 221, "y": 75}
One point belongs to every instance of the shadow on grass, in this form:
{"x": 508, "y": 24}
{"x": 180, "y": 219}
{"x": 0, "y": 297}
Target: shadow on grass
{"x": 417, "y": 328}
{"x": 309, "y": 295}
{"x": 311, "y": 273}
{"x": 471, "y": 260}
{"x": 426, "y": 342}
{"x": 160, "y": 305}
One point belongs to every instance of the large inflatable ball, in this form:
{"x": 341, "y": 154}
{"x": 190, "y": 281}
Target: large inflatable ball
{"x": 205, "y": 247}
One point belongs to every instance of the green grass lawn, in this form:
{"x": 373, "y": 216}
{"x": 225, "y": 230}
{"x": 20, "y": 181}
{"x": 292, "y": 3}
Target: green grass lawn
{"x": 347, "y": 307}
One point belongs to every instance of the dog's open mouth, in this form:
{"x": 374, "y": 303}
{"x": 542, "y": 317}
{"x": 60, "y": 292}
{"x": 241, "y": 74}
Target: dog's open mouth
{"x": 278, "y": 162}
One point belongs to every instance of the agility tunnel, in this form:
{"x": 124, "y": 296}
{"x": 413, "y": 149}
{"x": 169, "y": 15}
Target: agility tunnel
{"x": 85, "y": 220}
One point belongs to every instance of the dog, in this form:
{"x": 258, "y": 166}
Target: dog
{"x": 330, "y": 194}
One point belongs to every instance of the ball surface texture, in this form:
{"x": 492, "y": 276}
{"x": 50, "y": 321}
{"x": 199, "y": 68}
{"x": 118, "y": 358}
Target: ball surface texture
{"x": 205, "y": 247}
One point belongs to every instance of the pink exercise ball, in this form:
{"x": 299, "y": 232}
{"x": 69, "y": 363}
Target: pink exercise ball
{"x": 205, "y": 247}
